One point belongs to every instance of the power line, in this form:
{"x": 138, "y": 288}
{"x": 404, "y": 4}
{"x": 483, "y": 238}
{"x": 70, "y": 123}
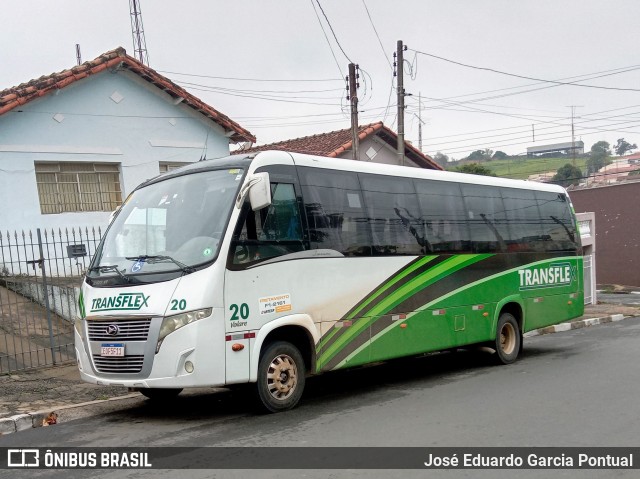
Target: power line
{"x": 333, "y": 32}
{"x": 327, "y": 38}
{"x": 386, "y": 56}
{"x": 253, "y": 79}
{"x": 493, "y": 70}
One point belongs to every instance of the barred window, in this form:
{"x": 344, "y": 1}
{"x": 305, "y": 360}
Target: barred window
{"x": 72, "y": 187}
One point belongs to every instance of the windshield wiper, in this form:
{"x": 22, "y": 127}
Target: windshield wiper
{"x": 110, "y": 267}
{"x": 162, "y": 259}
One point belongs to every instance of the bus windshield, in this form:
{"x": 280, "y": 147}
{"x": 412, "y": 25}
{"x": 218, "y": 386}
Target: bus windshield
{"x": 169, "y": 226}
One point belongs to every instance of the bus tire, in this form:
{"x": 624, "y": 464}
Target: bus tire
{"x": 281, "y": 377}
{"x": 160, "y": 394}
{"x": 508, "y": 340}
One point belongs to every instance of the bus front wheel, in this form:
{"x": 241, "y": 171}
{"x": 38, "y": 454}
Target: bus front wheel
{"x": 281, "y": 377}
{"x": 508, "y": 339}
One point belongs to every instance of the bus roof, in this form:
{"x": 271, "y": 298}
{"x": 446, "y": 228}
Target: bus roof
{"x": 266, "y": 158}
{"x": 341, "y": 164}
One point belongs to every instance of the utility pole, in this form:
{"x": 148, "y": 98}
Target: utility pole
{"x": 137, "y": 30}
{"x": 573, "y": 133}
{"x": 78, "y": 54}
{"x": 533, "y": 131}
{"x": 399, "y": 64}
{"x": 353, "y": 97}
{"x": 420, "y": 122}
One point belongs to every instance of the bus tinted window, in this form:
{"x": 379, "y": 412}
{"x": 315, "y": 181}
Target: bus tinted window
{"x": 269, "y": 232}
{"x": 443, "y": 216}
{"x": 557, "y": 221}
{"x": 393, "y": 214}
{"x": 335, "y": 211}
{"x": 486, "y": 217}
{"x": 523, "y": 218}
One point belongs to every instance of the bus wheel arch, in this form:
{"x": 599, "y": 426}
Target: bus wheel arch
{"x": 299, "y": 337}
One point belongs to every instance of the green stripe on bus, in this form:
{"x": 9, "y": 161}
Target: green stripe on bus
{"x": 376, "y": 293}
{"x": 437, "y": 303}
{"x": 427, "y": 278}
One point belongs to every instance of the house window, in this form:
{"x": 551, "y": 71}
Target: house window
{"x": 71, "y": 187}
{"x": 166, "y": 167}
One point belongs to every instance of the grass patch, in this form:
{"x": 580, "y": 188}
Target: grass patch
{"x": 521, "y": 167}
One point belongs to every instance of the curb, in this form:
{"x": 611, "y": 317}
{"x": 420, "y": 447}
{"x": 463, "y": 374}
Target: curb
{"x": 583, "y": 323}
{"x": 23, "y": 421}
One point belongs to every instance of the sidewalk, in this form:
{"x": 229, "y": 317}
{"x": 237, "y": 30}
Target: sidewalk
{"x": 29, "y": 397}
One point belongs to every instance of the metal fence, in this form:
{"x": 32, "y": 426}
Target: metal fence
{"x": 40, "y": 278}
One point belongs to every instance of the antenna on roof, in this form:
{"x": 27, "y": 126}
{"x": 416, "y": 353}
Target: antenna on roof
{"x": 137, "y": 30}
{"x": 78, "y": 54}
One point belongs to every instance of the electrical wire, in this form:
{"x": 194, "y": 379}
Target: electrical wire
{"x": 252, "y": 79}
{"x": 327, "y": 39}
{"x": 493, "y": 70}
{"x": 386, "y": 56}
{"x": 333, "y": 32}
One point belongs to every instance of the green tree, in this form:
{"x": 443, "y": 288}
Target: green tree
{"x": 601, "y": 148}
{"x": 480, "y": 155}
{"x": 441, "y": 159}
{"x": 499, "y": 155}
{"x": 474, "y": 169}
{"x": 567, "y": 175}
{"x": 622, "y": 146}
{"x": 598, "y": 157}
{"x": 477, "y": 155}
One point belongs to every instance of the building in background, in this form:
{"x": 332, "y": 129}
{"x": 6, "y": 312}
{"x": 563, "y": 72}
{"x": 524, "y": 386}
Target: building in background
{"x": 567, "y": 148}
{"x": 73, "y": 144}
{"x": 378, "y": 144}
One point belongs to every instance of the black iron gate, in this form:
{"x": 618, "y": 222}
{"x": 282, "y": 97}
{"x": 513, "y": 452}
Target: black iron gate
{"x": 40, "y": 278}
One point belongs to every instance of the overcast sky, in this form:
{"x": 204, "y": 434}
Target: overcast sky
{"x": 463, "y": 108}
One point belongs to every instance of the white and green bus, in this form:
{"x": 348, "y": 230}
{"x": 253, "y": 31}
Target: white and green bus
{"x": 270, "y": 267}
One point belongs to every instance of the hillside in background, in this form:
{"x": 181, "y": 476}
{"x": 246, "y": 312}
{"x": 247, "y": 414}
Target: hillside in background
{"x": 521, "y": 167}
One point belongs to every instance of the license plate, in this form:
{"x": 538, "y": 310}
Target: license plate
{"x": 112, "y": 350}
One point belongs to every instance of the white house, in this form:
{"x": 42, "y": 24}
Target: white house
{"x": 73, "y": 144}
{"x": 377, "y": 143}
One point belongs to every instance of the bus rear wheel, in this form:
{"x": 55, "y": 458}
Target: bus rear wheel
{"x": 281, "y": 377}
{"x": 508, "y": 339}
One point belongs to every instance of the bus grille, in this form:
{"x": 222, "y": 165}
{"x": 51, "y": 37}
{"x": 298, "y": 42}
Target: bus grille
{"x": 128, "y": 330}
{"x": 126, "y": 364}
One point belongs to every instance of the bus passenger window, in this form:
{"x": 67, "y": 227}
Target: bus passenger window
{"x": 270, "y": 232}
{"x": 486, "y": 218}
{"x": 393, "y": 215}
{"x": 557, "y": 222}
{"x": 335, "y": 211}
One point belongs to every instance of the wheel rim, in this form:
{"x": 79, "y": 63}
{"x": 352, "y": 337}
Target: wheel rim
{"x": 282, "y": 377}
{"x": 507, "y": 338}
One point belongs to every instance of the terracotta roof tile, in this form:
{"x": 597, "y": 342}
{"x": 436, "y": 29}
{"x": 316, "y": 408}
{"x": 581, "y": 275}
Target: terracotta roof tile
{"x": 334, "y": 143}
{"x": 17, "y": 96}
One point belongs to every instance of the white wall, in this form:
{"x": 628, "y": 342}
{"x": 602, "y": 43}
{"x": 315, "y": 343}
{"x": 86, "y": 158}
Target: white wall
{"x": 385, "y": 153}
{"x": 145, "y": 128}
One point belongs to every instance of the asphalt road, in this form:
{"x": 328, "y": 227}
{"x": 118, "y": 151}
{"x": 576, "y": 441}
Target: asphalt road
{"x": 576, "y": 388}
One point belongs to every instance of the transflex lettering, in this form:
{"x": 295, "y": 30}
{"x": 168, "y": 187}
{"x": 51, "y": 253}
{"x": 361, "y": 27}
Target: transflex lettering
{"x": 555, "y": 274}
{"x": 123, "y": 302}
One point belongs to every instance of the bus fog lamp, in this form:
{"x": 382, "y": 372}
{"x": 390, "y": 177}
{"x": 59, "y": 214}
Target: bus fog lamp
{"x": 175, "y": 322}
{"x": 188, "y": 367}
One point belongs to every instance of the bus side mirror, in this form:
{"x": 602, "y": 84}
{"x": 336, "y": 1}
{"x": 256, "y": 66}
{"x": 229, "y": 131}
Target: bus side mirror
{"x": 259, "y": 190}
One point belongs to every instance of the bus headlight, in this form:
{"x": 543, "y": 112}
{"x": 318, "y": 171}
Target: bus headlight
{"x": 175, "y": 322}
